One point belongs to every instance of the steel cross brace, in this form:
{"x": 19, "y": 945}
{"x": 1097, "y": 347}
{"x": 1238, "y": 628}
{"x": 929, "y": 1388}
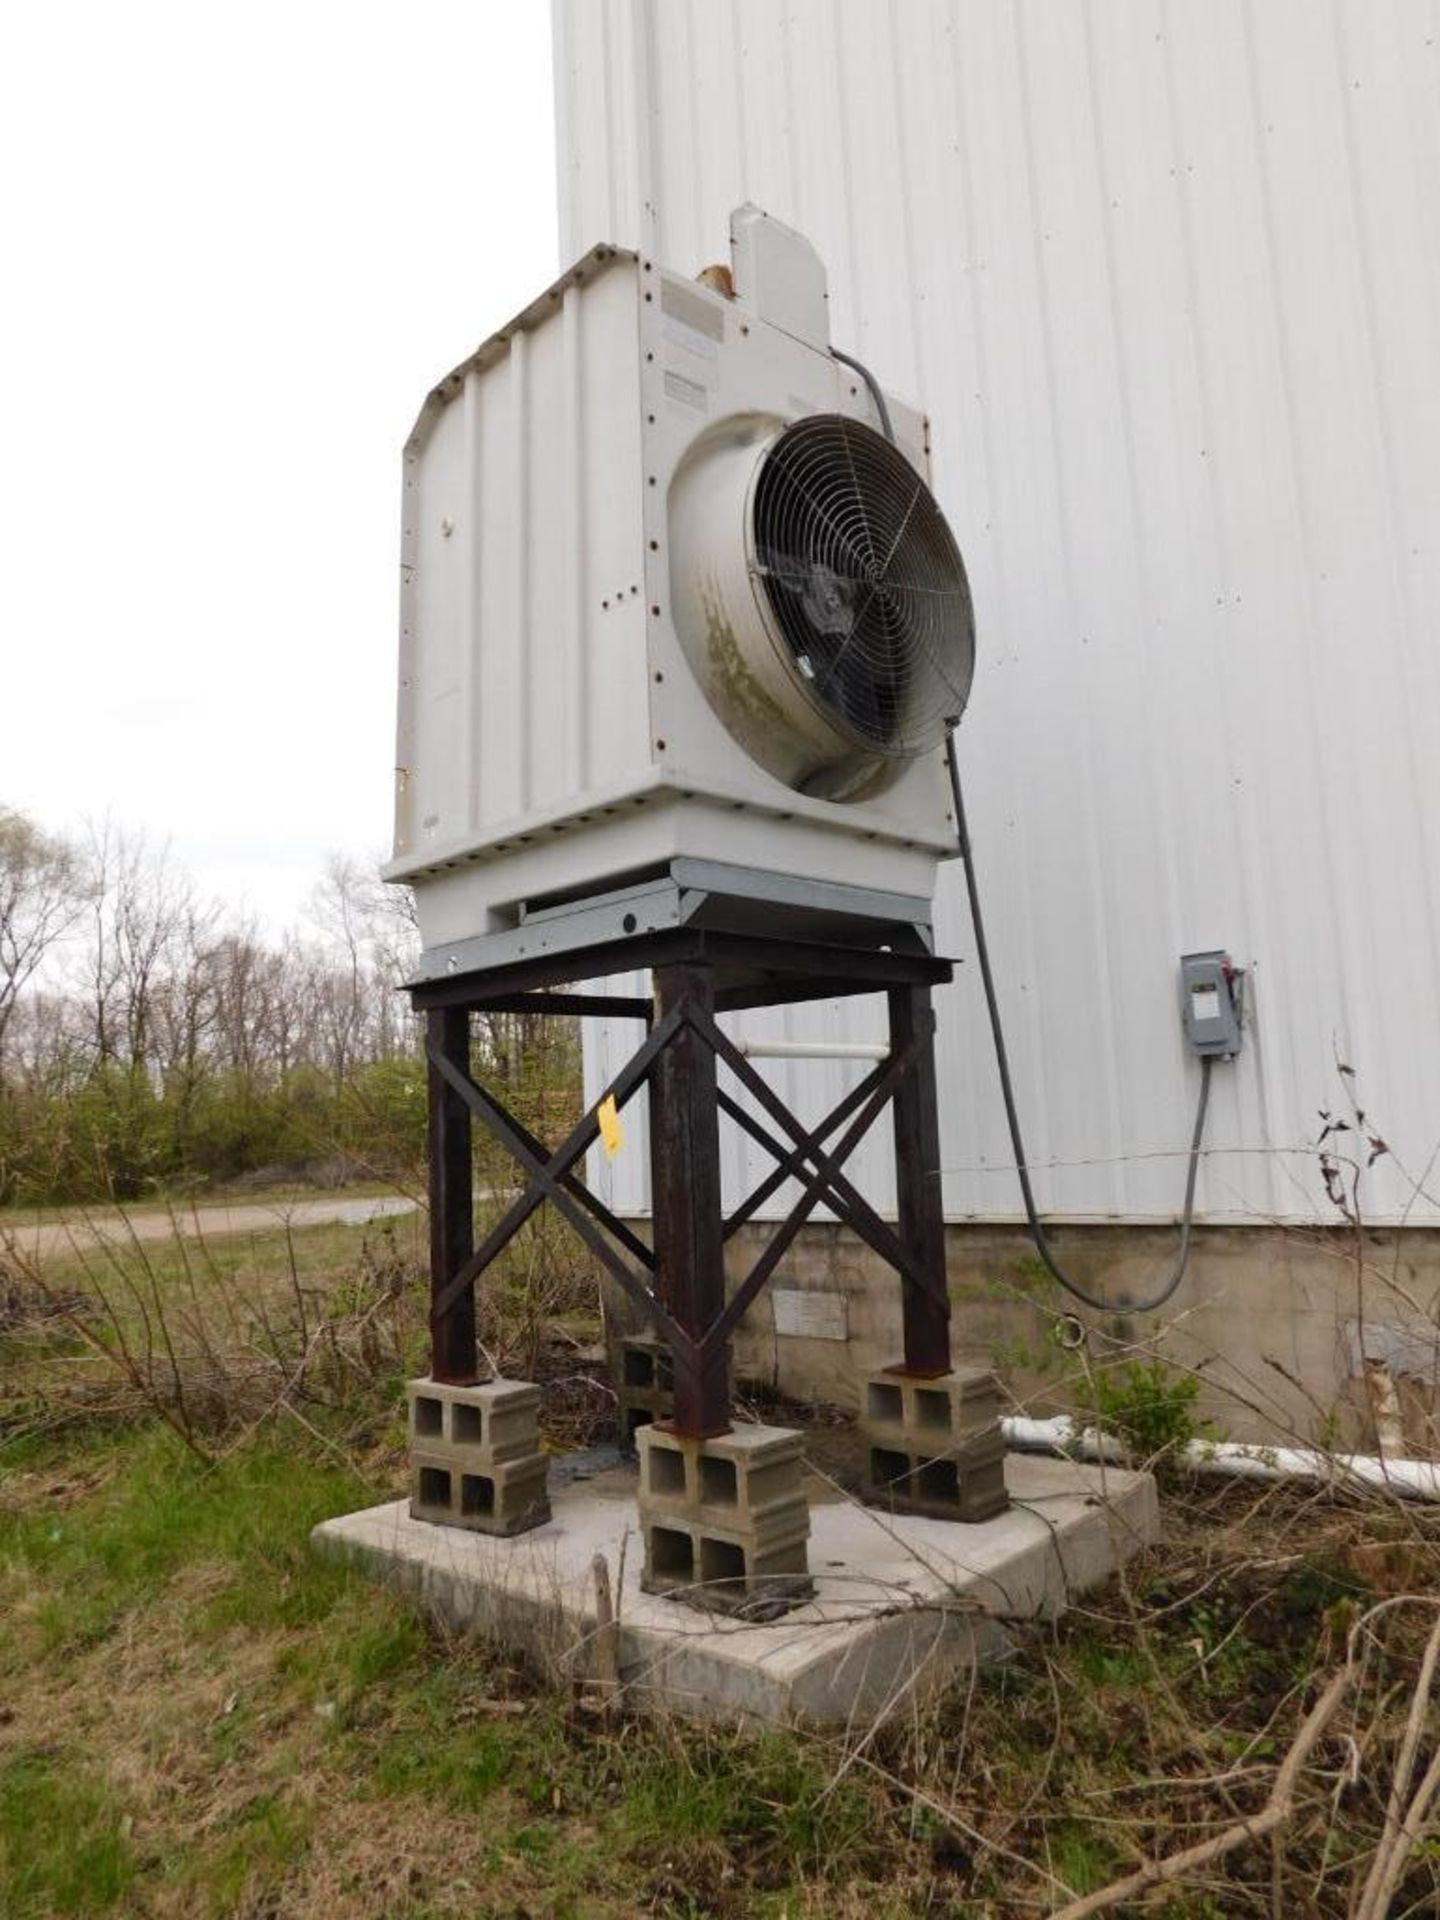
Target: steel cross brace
{"x": 552, "y": 1179}
{"x": 817, "y": 1184}
{"x": 841, "y": 1196}
{"x": 788, "y": 1158}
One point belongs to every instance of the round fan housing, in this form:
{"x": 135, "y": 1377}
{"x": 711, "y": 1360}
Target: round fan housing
{"x": 835, "y": 635}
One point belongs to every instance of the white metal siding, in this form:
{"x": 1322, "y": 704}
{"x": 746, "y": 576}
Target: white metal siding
{"x": 1167, "y": 279}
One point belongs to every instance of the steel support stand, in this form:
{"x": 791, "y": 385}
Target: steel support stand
{"x": 679, "y": 1282}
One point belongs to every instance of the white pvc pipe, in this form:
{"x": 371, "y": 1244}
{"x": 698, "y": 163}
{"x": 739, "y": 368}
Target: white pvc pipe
{"x": 815, "y": 1049}
{"x": 1061, "y": 1435}
{"x": 1412, "y": 1479}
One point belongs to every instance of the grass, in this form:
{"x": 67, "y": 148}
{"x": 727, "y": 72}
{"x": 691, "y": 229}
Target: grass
{"x": 214, "y": 1334}
{"x": 198, "y": 1717}
{"x": 64, "y": 1842}
{"x": 218, "y": 1332}
{"x": 201, "y": 1716}
{"x": 235, "y": 1727}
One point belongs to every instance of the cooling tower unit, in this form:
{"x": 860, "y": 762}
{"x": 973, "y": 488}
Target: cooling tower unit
{"x": 669, "y": 593}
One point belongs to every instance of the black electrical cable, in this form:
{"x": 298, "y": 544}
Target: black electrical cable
{"x": 881, "y": 407}
{"x": 1002, "y": 1058}
{"x": 1002, "y": 1061}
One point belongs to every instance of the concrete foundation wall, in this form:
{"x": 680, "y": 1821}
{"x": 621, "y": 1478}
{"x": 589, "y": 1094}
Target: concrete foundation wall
{"x": 1277, "y": 1322}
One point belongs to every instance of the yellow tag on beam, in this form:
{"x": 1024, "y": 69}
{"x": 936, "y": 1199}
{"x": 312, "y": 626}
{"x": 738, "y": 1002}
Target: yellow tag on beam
{"x": 612, "y": 1134}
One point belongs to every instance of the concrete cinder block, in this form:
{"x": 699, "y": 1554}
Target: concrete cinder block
{"x": 745, "y": 1471}
{"x": 644, "y": 1374}
{"x": 499, "y": 1421}
{"x": 725, "y": 1520}
{"x": 484, "y": 1496}
{"x": 934, "y": 1446}
{"x": 966, "y": 1484}
{"x": 953, "y": 1408}
{"x": 645, "y": 1384}
{"x": 475, "y": 1456}
{"x": 729, "y": 1570}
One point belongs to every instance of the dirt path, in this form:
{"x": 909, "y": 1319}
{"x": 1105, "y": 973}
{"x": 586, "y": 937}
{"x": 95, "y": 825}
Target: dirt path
{"x": 40, "y": 1240}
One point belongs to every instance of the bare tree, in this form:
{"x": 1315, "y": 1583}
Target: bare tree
{"x": 145, "y": 923}
{"x": 178, "y": 1036}
{"x": 43, "y": 892}
{"x": 370, "y": 943}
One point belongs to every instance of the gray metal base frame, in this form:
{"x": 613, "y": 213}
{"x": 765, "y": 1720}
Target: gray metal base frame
{"x": 690, "y": 893}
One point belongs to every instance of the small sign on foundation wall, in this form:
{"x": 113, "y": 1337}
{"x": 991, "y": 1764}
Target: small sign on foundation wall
{"x": 811, "y": 1316}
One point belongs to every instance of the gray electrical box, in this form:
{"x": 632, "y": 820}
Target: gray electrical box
{"x": 1210, "y": 990}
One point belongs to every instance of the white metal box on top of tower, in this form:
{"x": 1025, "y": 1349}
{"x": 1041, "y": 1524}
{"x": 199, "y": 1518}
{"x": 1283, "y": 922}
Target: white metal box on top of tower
{"x": 667, "y": 592}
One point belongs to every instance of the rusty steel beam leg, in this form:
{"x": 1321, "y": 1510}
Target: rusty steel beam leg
{"x": 452, "y": 1224}
{"x": 688, "y": 1223}
{"x": 917, "y": 1184}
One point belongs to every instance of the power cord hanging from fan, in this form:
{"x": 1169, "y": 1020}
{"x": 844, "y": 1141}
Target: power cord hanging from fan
{"x": 1002, "y": 1058}
{"x": 1002, "y": 1061}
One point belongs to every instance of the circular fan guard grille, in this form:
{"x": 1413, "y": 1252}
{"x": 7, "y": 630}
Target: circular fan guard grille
{"x": 865, "y": 583}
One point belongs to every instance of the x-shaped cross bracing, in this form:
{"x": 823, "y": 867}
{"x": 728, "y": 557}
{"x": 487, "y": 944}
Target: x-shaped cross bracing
{"x": 805, "y": 1159}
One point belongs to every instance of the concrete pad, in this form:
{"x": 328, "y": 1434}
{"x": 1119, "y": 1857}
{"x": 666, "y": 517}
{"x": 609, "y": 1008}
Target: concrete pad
{"x": 901, "y": 1604}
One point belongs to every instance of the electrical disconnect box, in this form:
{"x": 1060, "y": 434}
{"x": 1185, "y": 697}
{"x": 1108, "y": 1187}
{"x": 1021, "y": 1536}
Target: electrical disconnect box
{"x": 1211, "y": 988}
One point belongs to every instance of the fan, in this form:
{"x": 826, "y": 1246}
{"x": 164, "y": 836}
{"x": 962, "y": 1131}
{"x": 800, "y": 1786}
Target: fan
{"x": 667, "y": 593}
{"x": 864, "y": 584}
{"x": 820, "y": 598}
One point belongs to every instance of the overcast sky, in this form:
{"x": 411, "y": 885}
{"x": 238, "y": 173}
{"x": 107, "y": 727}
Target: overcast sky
{"x": 239, "y": 245}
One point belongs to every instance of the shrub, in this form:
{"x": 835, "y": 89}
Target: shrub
{"x": 1149, "y": 1406}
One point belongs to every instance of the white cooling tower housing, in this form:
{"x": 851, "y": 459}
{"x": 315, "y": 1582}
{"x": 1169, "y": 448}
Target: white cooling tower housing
{"x": 667, "y": 592}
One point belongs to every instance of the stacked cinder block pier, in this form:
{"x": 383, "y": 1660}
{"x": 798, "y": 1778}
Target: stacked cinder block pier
{"x": 725, "y": 1521}
{"x": 934, "y": 1446}
{"x": 475, "y": 1458}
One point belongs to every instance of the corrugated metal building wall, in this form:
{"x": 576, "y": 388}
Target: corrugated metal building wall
{"x": 1167, "y": 279}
